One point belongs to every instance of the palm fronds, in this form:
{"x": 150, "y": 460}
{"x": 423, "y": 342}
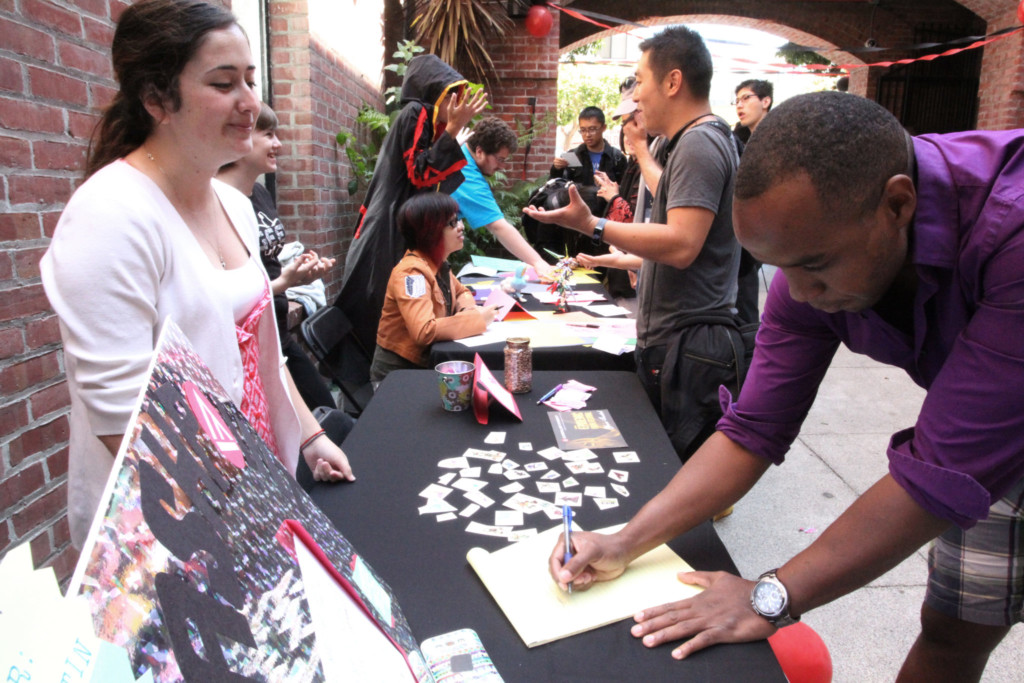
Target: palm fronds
{"x": 460, "y": 32}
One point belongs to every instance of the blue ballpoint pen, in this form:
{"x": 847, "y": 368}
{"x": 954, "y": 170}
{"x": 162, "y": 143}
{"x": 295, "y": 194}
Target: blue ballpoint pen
{"x": 549, "y": 394}
{"x": 567, "y": 530}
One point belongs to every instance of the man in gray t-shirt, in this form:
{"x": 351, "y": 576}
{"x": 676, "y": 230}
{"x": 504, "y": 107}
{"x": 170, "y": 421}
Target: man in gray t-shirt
{"x": 699, "y": 174}
{"x": 691, "y": 256}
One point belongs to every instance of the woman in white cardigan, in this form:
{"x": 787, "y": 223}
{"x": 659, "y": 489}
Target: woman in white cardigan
{"x": 152, "y": 235}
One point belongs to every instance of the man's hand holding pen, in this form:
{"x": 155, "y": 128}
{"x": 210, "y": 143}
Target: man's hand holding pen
{"x": 594, "y": 557}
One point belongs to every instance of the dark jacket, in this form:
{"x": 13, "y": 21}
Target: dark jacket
{"x": 613, "y": 162}
{"x": 417, "y": 155}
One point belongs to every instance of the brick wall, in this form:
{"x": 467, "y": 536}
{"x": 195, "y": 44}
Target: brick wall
{"x": 316, "y": 93}
{"x": 1001, "y": 91}
{"x": 55, "y": 75}
{"x": 526, "y": 89}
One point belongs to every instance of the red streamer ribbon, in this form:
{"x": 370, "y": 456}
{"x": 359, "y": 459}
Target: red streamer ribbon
{"x": 815, "y": 68}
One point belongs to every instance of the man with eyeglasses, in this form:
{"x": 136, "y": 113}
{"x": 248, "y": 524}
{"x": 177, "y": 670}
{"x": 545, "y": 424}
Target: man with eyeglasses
{"x": 593, "y": 154}
{"x": 753, "y": 101}
{"x": 687, "y": 344}
{"x": 487, "y": 150}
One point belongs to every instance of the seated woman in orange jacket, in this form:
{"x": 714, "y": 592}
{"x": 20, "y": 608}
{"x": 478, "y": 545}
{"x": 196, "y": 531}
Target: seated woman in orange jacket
{"x": 424, "y": 302}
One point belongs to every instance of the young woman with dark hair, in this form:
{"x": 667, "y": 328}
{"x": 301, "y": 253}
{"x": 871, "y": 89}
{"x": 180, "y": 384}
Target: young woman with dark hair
{"x": 424, "y": 302}
{"x": 151, "y": 235}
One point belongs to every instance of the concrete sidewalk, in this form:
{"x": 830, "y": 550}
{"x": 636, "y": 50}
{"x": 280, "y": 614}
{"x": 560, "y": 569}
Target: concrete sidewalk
{"x": 840, "y": 453}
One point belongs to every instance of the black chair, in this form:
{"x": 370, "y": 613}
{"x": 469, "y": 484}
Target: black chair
{"x": 329, "y": 335}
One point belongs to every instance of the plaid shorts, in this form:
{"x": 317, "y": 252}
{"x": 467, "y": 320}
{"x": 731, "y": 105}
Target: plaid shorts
{"x": 977, "y": 575}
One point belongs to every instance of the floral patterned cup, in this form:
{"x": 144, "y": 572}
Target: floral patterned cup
{"x": 455, "y": 378}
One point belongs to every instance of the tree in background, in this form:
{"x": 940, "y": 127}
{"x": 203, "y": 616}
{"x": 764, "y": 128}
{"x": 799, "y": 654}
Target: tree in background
{"x": 460, "y": 32}
{"x": 577, "y": 90}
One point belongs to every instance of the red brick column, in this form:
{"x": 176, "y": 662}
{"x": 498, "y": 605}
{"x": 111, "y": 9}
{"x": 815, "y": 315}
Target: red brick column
{"x": 1001, "y": 90}
{"x": 316, "y": 93}
{"x": 527, "y": 88}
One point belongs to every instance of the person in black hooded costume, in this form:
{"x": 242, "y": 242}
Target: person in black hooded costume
{"x": 419, "y": 154}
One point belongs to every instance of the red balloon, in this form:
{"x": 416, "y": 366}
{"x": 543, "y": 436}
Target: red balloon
{"x": 1020, "y": 12}
{"x": 802, "y": 654}
{"x": 538, "y": 21}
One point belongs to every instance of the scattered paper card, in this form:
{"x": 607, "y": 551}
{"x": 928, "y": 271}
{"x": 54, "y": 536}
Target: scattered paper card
{"x": 458, "y": 463}
{"x": 478, "y": 528}
{"x": 436, "y": 506}
{"x": 480, "y": 454}
{"x": 495, "y": 438}
{"x": 623, "y": 457}
{"x": 508, "y": 518}
{"x": 551, "y": 453}
{"x": 479, "y": 498}
{"x": 568, "y": 498}
{"x": 435, "y": 491}
{"x": 579, "y": 454}
{"x": 469, "y": 484}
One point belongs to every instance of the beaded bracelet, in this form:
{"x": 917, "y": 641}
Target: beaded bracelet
{"x": 310, "y": 440}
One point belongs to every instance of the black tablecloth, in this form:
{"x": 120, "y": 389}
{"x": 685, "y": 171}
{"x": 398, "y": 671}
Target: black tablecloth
{"x": 544, "y": 358}
{"x": 395, "y": 448}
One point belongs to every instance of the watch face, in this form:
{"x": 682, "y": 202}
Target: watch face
{"x": 768, "y": 598}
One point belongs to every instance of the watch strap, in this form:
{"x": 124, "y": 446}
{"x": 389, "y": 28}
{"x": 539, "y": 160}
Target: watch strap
{"x": 598, "y": 235}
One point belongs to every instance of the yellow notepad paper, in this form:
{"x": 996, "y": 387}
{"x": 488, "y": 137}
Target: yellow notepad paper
{"x": 540, "y": 612}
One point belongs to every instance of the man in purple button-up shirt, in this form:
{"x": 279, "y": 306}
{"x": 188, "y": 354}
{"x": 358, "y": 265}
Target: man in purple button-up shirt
{"x": 910, "y": 251}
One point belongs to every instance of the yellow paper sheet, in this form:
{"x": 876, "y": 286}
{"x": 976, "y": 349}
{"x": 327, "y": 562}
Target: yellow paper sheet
{"x": 582, "y": 276}
{"x": 540, "y": 612}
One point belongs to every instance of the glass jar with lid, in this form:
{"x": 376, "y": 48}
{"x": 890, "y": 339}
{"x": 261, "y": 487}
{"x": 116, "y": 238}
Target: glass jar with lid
{"x": 518, "y": 365}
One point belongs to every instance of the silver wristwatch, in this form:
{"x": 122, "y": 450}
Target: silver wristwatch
{"x": 770, "y": 599}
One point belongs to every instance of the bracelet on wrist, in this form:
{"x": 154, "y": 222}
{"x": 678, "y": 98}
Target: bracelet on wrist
{"x": 310, "y": 440}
